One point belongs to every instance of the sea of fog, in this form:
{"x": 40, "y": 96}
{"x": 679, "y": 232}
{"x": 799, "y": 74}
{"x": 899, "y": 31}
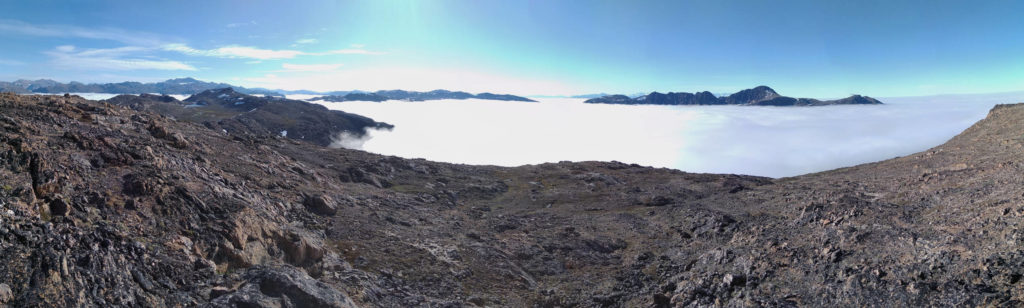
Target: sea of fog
{"x": 766, "y": 141}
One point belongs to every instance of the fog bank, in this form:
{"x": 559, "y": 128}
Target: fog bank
{"x": 767, "y": 141}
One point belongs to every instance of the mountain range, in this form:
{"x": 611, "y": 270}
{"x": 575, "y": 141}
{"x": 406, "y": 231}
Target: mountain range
{"x": 171, "y": 86}
{"x": 189, "y": 86}
{"x": 758, "y": 96}
{"x": 414, "y": 96}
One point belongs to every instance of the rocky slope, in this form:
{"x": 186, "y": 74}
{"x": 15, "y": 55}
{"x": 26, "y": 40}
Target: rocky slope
{"x": 105, "y": 206}
{"x": 414, "y": 96}
{"x": 758, "y": 96}
{"x": 239, "y": 114}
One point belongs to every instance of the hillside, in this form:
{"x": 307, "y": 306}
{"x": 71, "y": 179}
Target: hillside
{"x": 104, "y": 205}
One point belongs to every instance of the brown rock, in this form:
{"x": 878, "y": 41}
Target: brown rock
{"x": 320, "y": 204}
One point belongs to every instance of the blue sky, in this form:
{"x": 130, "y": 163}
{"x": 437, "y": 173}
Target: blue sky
{"x": 801, "y": 48}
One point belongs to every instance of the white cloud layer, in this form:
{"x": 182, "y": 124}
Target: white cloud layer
{"x": 768, "y": 141}
{"x": 237, "y": 51}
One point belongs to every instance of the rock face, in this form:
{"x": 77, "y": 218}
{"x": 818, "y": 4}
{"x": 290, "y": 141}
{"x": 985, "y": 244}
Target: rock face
{"x": 246, "y": 115}
{"x": 413, "y": 96}
{"x": 759, "y": 96}
{"x": 222, "y": 221}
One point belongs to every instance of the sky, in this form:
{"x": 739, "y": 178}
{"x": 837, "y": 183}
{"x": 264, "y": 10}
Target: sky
{"x": 821, "y": 49}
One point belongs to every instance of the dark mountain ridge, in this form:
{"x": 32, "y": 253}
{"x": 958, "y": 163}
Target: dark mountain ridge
{"x": 236, "y": 113}
{"x": 191, "y": 86}
{"x": 758, "y": 96}
{"x": 414, "y": 96}
{"x": 171, "y": 86}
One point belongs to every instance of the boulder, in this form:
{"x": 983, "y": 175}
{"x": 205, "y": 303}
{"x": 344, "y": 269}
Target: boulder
{"x": 6, "y": 295}
{"x": 320, "y": 204}
{"x": 283, "y": 286}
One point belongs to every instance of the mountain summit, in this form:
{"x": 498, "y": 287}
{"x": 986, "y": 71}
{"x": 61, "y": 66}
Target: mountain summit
{"x": 751, "y": 96}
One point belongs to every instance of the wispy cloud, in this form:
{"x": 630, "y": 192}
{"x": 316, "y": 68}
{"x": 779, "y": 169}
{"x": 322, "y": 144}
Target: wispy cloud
{"x": 307, "y": 41}
{"x": 349, "y": 51}
{"x": 237, "y": 51}
{"x": 16, "y": 27}
{"x": 288, "y": 67}
{"x": 240, "y": 24}
{"x": 118, "y": 59}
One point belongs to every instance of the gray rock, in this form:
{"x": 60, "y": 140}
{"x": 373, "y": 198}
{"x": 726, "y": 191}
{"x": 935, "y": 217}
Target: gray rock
{"x": 320, "y": 205}
{"x": 6, "y": 295}
{"x": 283, "y": 286}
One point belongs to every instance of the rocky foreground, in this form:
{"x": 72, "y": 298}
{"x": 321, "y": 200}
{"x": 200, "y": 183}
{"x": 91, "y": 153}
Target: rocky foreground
{"x": 103, "y": 205}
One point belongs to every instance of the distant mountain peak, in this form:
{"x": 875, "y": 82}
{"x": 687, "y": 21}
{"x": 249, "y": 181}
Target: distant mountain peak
{"x": 765, "y": 89}
{"x": 757, "y": 96}
{"x": 751, "y": 96}
{"x": 183, "y": 80}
